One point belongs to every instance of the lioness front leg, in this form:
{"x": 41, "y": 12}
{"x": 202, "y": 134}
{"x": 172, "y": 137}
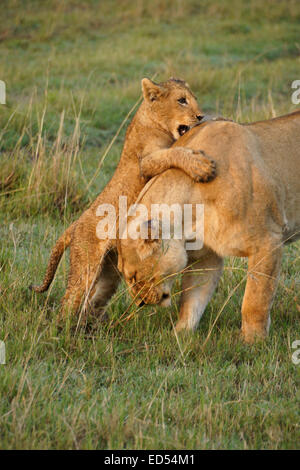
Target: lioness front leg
{"x": 195, "y": 163}
{"x": 198, "y": 285}
{"x": 263, "y": 273}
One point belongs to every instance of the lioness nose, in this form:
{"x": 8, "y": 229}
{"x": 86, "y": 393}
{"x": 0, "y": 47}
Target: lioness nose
{"x": 199, "y": 117}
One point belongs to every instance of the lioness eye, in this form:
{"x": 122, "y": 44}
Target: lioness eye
{"x": 182, "y": 101}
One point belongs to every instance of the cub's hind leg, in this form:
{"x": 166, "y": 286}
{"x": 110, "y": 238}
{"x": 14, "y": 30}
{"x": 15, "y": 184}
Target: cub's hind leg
{"x": 106, "y": 285}
{"x": 85, "y": 264}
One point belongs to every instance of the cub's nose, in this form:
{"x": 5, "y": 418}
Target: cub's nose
{"x": 199, "y": 117}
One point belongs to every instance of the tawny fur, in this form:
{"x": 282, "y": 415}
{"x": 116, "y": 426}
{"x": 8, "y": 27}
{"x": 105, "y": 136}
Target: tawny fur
{"x": 250, "y": 210}
{"x": 146, "y": 152}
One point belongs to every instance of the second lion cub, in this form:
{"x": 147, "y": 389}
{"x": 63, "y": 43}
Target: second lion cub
{"x": 168, "y": 110}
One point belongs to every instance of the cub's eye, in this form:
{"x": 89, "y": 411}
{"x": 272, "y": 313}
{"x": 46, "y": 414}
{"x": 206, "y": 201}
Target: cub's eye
{"x": 182, "y": 101}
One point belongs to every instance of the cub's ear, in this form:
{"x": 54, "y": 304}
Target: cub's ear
{"x": 179, "y": 80}
{"x": 151, "y": 91}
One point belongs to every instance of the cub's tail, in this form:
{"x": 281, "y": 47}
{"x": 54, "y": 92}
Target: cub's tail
{"x": 57, "y": 251}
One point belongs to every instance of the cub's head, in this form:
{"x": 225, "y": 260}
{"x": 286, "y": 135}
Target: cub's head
{"x": 172, "y": 105}
{"x": 150, "y": 265}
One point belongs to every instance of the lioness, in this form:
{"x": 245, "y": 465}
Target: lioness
{"x": 168, "y": 110}
{"x": 250, "y": 210}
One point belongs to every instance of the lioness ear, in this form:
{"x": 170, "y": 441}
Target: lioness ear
{"x": 150, "y": 231}
{"x": 147, "y": 247}
{"x": 151, "y": 91}
{"x": 120, "y": 263}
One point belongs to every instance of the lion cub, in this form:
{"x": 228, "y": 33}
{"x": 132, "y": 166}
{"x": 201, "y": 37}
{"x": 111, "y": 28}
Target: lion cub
{"x": 168, "y": 110}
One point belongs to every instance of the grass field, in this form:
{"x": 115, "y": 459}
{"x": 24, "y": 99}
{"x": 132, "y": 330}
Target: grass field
{"x": 72, "y": 71}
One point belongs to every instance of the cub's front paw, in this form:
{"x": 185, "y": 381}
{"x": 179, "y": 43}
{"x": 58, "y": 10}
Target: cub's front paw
{"x": 202, "y": 168}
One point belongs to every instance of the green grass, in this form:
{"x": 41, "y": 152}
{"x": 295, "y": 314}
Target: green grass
{"x": 72, "y": 71}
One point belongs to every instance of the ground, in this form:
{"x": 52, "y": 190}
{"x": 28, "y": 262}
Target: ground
{"x": 72, "y": 71}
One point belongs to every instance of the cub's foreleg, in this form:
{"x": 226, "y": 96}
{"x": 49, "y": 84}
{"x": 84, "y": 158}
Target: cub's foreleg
{"x": 196, "y": 164}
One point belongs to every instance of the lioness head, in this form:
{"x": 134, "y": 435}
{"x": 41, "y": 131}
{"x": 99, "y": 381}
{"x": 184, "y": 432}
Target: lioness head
{"x": 149, "y": 265}
{"x": 172, "y": 105}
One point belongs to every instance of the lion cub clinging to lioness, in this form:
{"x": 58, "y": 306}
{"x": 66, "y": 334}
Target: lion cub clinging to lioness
{"x": 168, "y": 110}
